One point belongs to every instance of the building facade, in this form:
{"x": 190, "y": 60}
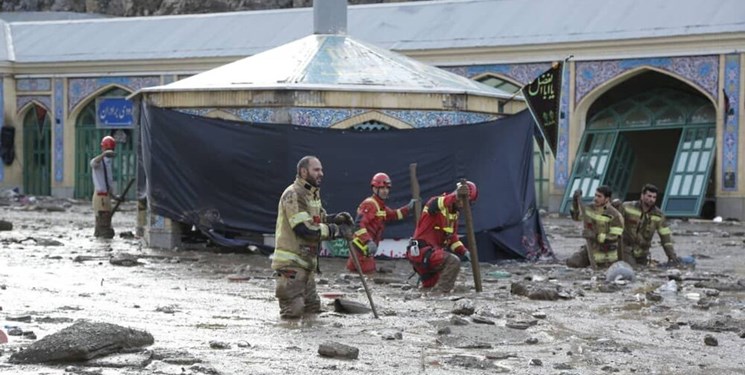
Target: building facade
{"x": 652, "y": 92}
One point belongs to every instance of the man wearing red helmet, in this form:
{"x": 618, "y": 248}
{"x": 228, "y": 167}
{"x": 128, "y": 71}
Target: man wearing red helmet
{"x": 372, "y": 214}
{"x": 103, "y": 187}
{"x": 435, "y": 250}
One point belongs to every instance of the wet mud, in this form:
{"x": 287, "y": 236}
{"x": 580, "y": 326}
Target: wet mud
{"x": 214, "y": 312}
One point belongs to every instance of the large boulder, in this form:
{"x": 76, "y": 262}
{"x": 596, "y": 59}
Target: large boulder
{"x": 82, "y": 341}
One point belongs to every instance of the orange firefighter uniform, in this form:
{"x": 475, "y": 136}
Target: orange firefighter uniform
{"x": 372, "y": 214}
{"x": 435, "y": 250}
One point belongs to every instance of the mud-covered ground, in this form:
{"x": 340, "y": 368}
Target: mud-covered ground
{"x": 52, "y": 271}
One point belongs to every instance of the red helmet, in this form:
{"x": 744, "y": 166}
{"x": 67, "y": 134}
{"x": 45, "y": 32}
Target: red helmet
{"x": 473, "y": 191}
{"x": 108, "y": 143}
{"x": 380, "y": 180}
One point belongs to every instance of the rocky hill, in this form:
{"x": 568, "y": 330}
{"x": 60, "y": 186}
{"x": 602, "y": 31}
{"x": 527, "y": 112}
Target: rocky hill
{"x": 129, "y": 8}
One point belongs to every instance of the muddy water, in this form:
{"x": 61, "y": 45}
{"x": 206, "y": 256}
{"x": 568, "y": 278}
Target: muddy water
{"x": 187, "y": 299}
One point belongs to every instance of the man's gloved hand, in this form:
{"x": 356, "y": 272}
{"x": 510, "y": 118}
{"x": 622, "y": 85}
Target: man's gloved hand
{"x": 577, "y": 194}
{"x": 412, "y": 202}
{"x": 343, "y": 218}
{"x": 372, "y": 249}
{"x": 334, "y": 232}
{"x": 462, "y": 190}
{"x": 465, "y": 257}
{"x": 109, "y": 154}
{"x": 346, "y": 232}
{"x": 601, "y": 238}
{"x": 616, "y": 203}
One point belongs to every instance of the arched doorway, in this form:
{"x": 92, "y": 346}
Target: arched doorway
{"x": 37, "y": 151}
{"x": 87, "y": 145}
{"x": 650, "y": 129}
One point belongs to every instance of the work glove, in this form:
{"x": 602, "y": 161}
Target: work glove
{"x": 412, "y": 202}
{"x": 462, "y": 191}
{"x": 345, "y": 231}
{"x": 372, "y": 249}
{"x": 334, "y": 231}
{"x": 577, "y": 194}
{"x": 465, "y": 257}
{"x": 616, "y": 203}
{"x": 109, "y": 154}
{"x": 601, "y": 238}
{"x": 343, "y": 218}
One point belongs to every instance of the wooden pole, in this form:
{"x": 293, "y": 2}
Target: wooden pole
{"x": 356, "y": 261}
{"x": 415, "y": 193}
{"x": 471, "y": 236}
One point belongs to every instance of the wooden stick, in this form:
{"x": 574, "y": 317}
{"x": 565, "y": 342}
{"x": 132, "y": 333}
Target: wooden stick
{"x": 581, "y": 210}
{"x": 353, "y": 253}
{"x": 472, "y": 243}
{"x": 415, "y": 193}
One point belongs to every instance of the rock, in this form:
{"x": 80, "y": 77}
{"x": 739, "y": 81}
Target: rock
{"x": 83, "y": 371}
{"x": 458, "y": 321}
{"x": 204, "y": 369}
{"x": 539, "y": 291}
{"x": 47, "y": 242}
{"x": 536, "y": 362}
{"x": 653, "y": 296}
{"x": 737, "y": 286}
{"x": 5, "y": 225}
{"x": 725, "y": 324}
{"x": 337, "y": 350}
{"x": 14, "y": 331}
{"x": 481, "y": 320}
{"x": 471, "y": 362}
{"x": 521, "y": 324}
{"x": 125, "y": 260}
{"x": 184, "y": 361}
{"x": 531, "y": 341}
{"x": 500, "y": 355}
{"x": 392, "y": 335}
{"x": 135, "y": 360}
{"x": 620, "y": 270}
{"x": 539, "y": 315}
{"x": 350, "y": 307}
{"x": 386, "y": 280}
{"x": 444, "y": 331}
{"x": 84, "y": 340}
{"x": 562, "y": 366}
{"x": 18, "y": 318}
{"x": 675, "y": 274}
{"x": 711, "y": 340}
{"x": 464, "y": 307}
{"x": 29, "y": 335}
{"x": 214, "y": 344}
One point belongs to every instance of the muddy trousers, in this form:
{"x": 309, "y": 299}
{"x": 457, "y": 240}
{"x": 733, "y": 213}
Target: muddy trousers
{"x": 448, "y": 274}
{"x": 102, "y": 210}
{"x": 295, "y": 290}
{"x": 580, "y": 259}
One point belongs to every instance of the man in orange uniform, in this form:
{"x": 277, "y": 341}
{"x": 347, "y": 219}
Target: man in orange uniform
{"x": 372, "y": 214}
{"x": 435, "y": 251}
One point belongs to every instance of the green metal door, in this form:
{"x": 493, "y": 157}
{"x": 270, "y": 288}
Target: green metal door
{"x": 37, "y": 152}
{"x": 88, "y": 145}
{"x": 621, "y": 165}
{"x": 689, "y": 178}
{"x": 591, "y": 166}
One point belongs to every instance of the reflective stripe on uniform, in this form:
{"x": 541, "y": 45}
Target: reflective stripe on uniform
{"x": 289, "y": 256}
{"x": 324, "y": 230}
{"x": 638, "y": 252}
{"x": 597, "y": 217}
{"x": 601, "y": 257}
{"x": 456, "y": 245}
{"x": 665, "y": 230}
{"x": 298, "y": 218}
{"x": 399, "y": 214}
{"x": 314, "y": 203}
{"x": 359, "y": 244}
{"x": 360, "y": 232}
{"x": 616, "y": 230}
{"x": 655, "y": 218}
{"x": 632, "y": 211}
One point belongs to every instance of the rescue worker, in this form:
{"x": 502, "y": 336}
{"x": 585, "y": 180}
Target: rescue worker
{"x": 302, "y": 224}
{"x": 103, "y": 187}
{"x": 372, "y": 214}
{"x": 642, "y": 219}
{"x": 602, "y": 228}
{"x": 435, "y": 250}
